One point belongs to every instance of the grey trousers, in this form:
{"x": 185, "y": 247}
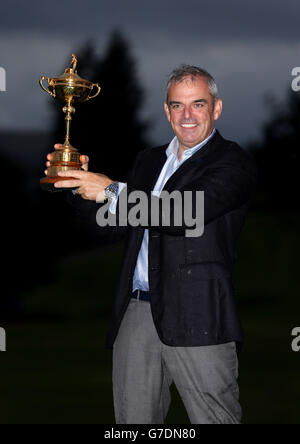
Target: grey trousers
{"x": 144, "y": 368}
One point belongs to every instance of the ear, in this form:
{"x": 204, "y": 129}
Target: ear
{"x": 167, "y": 111}
{"x": 218, "y": 109}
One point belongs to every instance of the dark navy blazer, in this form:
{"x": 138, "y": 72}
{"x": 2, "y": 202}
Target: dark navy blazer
{"x": 190, "y": 278}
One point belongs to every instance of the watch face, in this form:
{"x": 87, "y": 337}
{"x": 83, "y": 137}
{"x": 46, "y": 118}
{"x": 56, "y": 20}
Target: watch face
{"x": 111, "y": 190}
{"x": 113, "y": 187}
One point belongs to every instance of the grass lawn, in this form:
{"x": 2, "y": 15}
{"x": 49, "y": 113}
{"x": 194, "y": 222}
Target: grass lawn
{"x": 57, "y": 370}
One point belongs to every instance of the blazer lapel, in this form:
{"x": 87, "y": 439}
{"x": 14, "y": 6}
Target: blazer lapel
{"x": 199, "y": 157}
{"x": 154, "y": 167}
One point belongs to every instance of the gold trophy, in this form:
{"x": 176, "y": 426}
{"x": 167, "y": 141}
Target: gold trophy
{"x": 69, "y": 88}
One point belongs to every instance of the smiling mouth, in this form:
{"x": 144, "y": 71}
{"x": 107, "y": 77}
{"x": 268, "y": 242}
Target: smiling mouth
{"x": 188, "y": 125}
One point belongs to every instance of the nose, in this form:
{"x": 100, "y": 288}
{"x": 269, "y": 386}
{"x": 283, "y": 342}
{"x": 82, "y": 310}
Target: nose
{"x": 187, "y": 112}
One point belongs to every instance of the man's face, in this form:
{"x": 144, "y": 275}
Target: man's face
{"x": 191, "y": 111}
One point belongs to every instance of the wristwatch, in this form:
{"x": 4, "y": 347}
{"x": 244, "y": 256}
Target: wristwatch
{"x": 111, "y": 191}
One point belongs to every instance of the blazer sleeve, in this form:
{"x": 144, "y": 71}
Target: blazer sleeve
{"x": 227, "y": 184}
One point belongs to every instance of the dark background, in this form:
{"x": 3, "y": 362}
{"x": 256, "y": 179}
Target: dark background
{"x": 57, "y": 283}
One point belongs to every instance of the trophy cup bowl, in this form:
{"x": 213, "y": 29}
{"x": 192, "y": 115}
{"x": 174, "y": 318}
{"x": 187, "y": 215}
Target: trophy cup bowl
{"x": 68, "y": 89}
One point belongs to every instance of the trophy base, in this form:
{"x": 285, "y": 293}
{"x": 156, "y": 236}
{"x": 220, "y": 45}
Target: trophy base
{"x": 47, "y": 184}
{"x": 65, "y": 159}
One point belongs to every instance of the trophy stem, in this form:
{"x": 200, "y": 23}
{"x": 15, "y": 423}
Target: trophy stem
{"x": 68, "y": 110}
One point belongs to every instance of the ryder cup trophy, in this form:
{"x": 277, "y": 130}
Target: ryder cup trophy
{"x": 68, "y": 89}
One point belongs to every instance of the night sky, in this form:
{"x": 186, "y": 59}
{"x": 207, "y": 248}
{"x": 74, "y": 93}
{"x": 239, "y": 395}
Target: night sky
{"x": 60, "y": 279}
{"x": 250, "y": 48}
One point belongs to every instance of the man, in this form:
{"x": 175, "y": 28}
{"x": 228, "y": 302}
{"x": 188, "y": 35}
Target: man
{"x": 174, "y": 317}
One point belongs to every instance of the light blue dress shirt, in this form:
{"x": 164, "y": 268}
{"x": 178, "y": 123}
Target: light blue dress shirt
{"x": 140, "y": 277}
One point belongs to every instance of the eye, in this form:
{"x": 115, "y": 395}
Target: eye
{"x": 176, "y": 106}
{"x": 198, "y": 105}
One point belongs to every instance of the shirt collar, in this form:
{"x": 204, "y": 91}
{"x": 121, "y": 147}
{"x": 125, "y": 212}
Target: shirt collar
{"x": 174, "y": 145}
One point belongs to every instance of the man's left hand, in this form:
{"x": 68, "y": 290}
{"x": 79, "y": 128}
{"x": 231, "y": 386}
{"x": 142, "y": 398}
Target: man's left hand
{"x": 90, "y": 185}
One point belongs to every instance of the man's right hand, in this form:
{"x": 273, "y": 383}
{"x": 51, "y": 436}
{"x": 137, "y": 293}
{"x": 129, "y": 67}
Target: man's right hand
{"x": 83, "y": 159}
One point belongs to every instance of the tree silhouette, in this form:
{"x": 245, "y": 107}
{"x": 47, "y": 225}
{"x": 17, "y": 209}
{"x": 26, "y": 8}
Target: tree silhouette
{"x": 38, "y": 230}
{"x": 277, "y": 156}
{"x": 109, "y": 129}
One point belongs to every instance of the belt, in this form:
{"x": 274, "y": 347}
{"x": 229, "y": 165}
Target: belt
{"x": 141, "y": 295}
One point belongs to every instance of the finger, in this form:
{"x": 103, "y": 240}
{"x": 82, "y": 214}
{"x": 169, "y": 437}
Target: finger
{"x": 57, "y": 146}
{"x": 100, "y": 197}
{"x": 84, "y": 162}
{"x": 50, "y": 156}
{"x": 67, "y": 184}
{"x": 82, "y": 194}
{"x": 72, "y": 173}
{"x": 47, "y": 164}
{"x": 46, "y": 172}
{"x": 80, "y": 191}
{"x": 84, "y": 159}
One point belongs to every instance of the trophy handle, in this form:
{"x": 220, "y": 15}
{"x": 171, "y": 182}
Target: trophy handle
{"x": 97, "y": 93}
{"x": 46, "y": 89}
